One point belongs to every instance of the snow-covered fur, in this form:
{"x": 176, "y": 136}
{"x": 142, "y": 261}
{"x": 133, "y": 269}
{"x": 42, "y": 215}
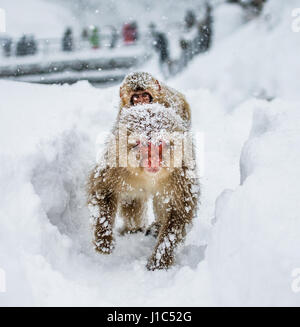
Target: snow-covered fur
{"x": 174, "y": 189}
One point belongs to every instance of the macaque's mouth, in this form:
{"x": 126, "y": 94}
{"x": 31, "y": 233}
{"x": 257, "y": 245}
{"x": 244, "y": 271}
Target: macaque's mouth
{"x": 152, "y": 170}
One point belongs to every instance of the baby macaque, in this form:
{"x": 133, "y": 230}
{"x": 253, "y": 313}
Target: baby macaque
{"x": 149, "y": 155}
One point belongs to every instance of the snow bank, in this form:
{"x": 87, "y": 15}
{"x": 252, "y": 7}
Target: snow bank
{"x": 255, "y": 242}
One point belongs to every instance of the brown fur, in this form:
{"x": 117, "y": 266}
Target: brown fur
{"x": 174, "y": 191}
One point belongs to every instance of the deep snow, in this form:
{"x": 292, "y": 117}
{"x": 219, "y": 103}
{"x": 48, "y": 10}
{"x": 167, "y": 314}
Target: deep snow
{"x": 248, "y": 219}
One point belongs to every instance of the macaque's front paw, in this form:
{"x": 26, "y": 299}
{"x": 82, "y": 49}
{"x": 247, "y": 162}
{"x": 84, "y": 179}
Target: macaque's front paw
{"x": 123, "y": 231}
{"x": 158, "y": 261}
{"x": 153, "y": 230}
{"x": 104, "y": 244}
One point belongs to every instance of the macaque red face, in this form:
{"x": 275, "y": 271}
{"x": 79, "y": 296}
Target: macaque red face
{"x": 151, "y": 156}
{"x": 141, "y": 97}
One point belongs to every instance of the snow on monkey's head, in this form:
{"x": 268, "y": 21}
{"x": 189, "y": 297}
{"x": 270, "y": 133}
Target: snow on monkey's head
{"x": 137, "y": 88}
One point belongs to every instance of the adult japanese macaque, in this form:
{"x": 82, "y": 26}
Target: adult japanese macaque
{"x": 149, "y": 156}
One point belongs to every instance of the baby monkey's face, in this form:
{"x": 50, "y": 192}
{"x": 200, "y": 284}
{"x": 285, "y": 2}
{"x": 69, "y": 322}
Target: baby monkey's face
{"x": 141, "y": 97}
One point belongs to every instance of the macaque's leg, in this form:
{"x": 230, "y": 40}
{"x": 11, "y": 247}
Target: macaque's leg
{"x": 103, "y": 207}
{"x": 171, "y": 233}
{"x": 133, "y": 213}
{"x": 154, "y": 228}
{"x": 103, "y": 215}
{"x": 177, "y": 208}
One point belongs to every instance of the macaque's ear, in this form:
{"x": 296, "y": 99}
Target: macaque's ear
{"x": 121, "y": 93}
{"x": 158, "y": 85}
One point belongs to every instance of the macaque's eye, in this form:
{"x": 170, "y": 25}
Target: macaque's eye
{"x": 145, "y": 95}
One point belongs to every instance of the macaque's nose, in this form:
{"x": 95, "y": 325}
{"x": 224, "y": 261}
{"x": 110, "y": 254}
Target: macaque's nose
{"x": 151, "y": 155}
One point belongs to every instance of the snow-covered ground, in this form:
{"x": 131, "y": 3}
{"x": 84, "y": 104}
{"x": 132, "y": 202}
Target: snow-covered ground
{"x": 244, "y": 244}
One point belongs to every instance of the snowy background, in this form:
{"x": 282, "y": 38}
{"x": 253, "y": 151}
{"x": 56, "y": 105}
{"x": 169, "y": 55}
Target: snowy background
{"x": 244, "y": 245}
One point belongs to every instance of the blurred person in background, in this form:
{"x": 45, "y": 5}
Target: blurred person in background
{"x": 31, "y": 45}
{"x": 85, "y": 43}
{"x": 67, "y": 41}
{"x": 184, "y": 58}
{"x": 7, "y": 43}
{"x": 161, "y": 45}
{"x": 189, "y": 19}
{"x": 130, "y": 33}
{"x": 21, "y": 46}
{"x": 187, "y": 40}
{"x": 114, "y": 37}
{"x": 85, "y": 34}
{"x": 95, "y": 38}
{"x": 203, "y": 39}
